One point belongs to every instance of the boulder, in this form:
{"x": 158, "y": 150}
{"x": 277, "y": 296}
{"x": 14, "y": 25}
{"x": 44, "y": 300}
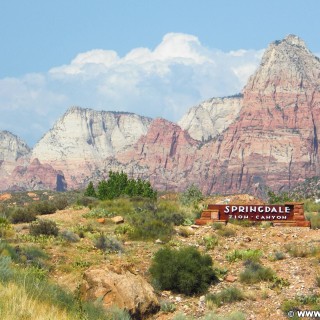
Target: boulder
{"x": 117, "y": 219}
{"x": 120, "y": 287}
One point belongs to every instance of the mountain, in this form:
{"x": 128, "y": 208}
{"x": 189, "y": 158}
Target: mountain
{"x": 210, "y": 118}
{"x": 273, "y": 139}
{"x": 82, "y": 139}
{"x": 12, "y": 150}
{"x": 267, "y": 136}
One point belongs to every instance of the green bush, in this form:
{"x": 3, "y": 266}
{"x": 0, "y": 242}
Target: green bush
{"x": 254, "y": 272}
{"x": 226, "y": 232}
{"x": 6, "y": 229}
{"x": 315, "y": 221}
{"x": 44, "y": 227}
{"x": 60, "y": 202}
{"x": 185, "y": 270}
{"x": 301, "y": 251}
{"x": 249, "y": 254}
{"x": 43, "y": 207}
{"x": 279, "y": 198}
{"x": 69, "y": 236}
{"x": 192, "y": 195}
{"x": 98, "y": 213}
{"x": 22, "y": 214}
{"x": 148, "y": 225}
{"x": 228, "y": 295}
{"x": 210, "y": 242}
{"x": 278, "y": 255}
{"x": 107, "y": 244}
{"x": 167, "y": 307}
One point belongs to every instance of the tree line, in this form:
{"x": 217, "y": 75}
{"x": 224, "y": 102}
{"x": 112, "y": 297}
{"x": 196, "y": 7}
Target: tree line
{"x": 119, "y": 185}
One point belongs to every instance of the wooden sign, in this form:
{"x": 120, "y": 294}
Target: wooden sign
{"x": 289, "y": 214}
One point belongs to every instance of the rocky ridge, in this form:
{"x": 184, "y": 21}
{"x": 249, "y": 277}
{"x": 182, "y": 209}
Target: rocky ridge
{"x": 211, "y": 117}
{"x": 268, "y": 137}
{"x": 82, "y": 139}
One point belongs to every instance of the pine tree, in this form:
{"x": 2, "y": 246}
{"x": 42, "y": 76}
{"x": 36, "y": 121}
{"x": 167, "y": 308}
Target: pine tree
{"x": 90, "y": 191}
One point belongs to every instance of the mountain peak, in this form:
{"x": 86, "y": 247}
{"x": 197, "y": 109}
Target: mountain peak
{"x": 294, "y": 40}
{"x": 286, "y": 66}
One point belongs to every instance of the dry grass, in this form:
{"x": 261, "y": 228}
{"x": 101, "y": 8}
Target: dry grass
{"x": 15, "y": 303}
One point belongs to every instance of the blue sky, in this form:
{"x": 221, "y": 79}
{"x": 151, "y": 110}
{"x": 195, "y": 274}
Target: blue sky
{"x": 151, "y": 57}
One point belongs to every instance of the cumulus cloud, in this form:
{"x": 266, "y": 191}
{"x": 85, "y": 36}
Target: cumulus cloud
{"x": 161, "y": 82}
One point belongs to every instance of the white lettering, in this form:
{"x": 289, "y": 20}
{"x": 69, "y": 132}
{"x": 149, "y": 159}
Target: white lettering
{"x": 260, "y": 209}
{"x": 234, "y": 208}
{"x": 287, "y": 209}
{"x": 227, "y": 209}
{"x": 241, "y": 209}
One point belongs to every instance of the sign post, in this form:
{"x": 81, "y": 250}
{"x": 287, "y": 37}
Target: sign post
{"x": 290, "y": 214}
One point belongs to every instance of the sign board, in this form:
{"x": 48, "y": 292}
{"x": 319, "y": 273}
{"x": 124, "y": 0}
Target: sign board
{"x": 291, "y": 214}
{"x": 254, "y": 212}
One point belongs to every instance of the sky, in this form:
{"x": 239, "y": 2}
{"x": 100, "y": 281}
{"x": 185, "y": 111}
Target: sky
{"x": 156, "y": 58}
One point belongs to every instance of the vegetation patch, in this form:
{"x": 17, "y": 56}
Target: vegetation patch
{"x": 184, "y": 270}
{"x": 249, "y": 254}
{"x": 227, "y": 295}
{"x": 254, "y": 272}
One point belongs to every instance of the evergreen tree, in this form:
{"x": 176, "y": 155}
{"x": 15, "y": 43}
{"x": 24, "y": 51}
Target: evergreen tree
{"x": 103, "y": 190}
{"x": 90, "y": 191}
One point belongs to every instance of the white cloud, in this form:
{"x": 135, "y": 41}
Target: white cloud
{"x": 165, "y": 82}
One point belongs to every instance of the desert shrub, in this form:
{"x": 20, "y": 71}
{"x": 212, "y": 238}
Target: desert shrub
{"x": 6, "y": 229}
{"x": 185, "y": 231}
{"x": 69, "y": 236}
{"x": 184, "y": 270}
{"x": 249, "y": 254}
{"x": 302, "y": 251}
{"x": 254, "y": 272}
{"x": 6, "y": 271}
{"x": 192, "y": 195}
{"x": 226, "y": 232}
{"x": 243, "y": 222}
{"x": 228, "y": 295}
{"x": 98, "y": 213}
{"x": 22, "y": 214}
{"x": 311, "y": 206}
{"x": 210, "y": 242}
{"x": 167, "y": 307}
{"x": 301, "y": 302}
{"x": 217, "y": 226}
{"x": 234, "y": 315}
{"x": 81, "y": 230}
{"x": 43, "y": 227}
{"x": 9, "y": 251}
{"x": 86, "y": 201}
{"x": 123, "y": 229}
{"x": 315, "y": 221}
{"x": 279, "y": 198}
{"x": 115, "y": 313}
{"x": 147, "y": 225}
{"x": 60, "y": 202}
{"x": 43, "y": 207}
{"x": 107, "y": 244}
{"x": 33, "y": 256}
{"x": 278, "y": 255}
